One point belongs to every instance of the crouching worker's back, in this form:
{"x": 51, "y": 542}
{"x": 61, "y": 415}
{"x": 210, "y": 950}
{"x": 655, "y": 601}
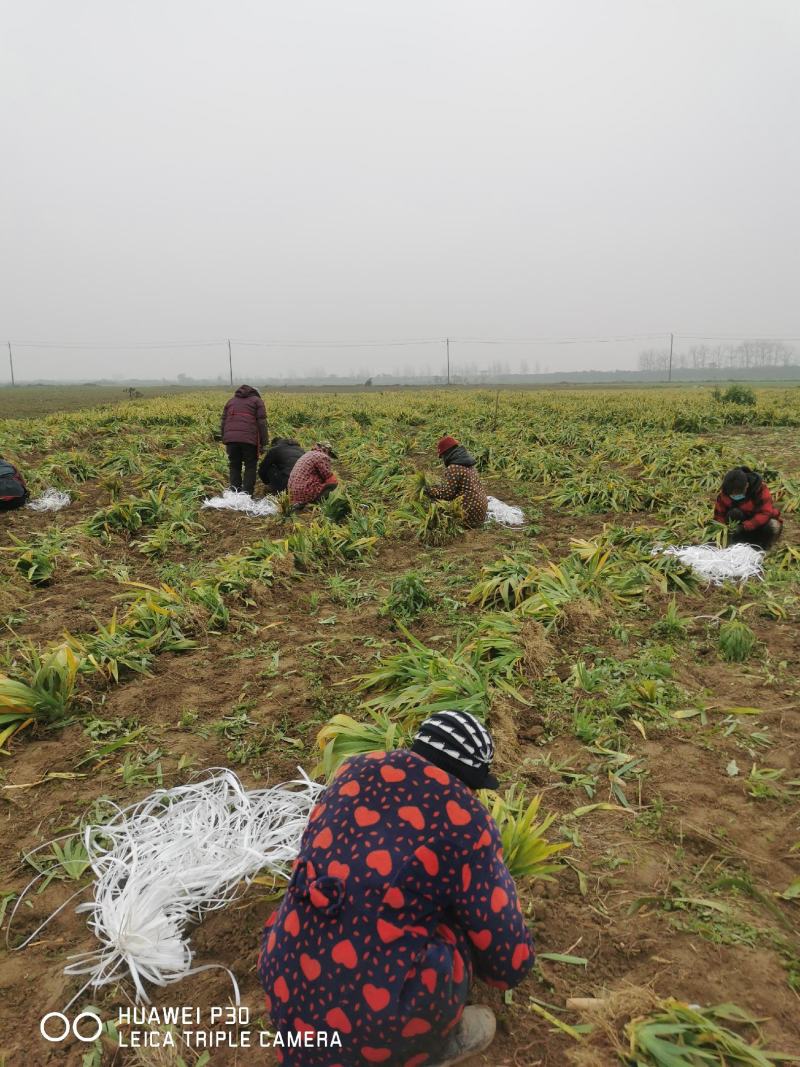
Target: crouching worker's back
{"x": 398, "y": 897}
{"x": 13, "y": 491}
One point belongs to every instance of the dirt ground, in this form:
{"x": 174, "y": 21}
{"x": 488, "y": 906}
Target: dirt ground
{"x": 615, "y": 904}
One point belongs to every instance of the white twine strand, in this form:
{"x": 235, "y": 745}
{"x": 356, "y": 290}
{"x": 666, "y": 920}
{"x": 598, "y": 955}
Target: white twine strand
{"x": 504, "y": 514}
{"x": 718, "y": 565}
{"x": 50, "y": 500}
{"x": 167, "y": 860}
{"x": 231, "y": 500}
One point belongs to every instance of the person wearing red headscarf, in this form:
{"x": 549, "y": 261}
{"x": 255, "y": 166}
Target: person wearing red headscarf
{"x": 461, "y": 480}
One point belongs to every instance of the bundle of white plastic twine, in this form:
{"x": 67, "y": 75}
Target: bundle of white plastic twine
{"x": 172, "y": 857}
{"x": 50, "y": 500}
{"x": 234, "y": 501}
{"x": 718, "y": 565}
{"x": 504, "y": 514}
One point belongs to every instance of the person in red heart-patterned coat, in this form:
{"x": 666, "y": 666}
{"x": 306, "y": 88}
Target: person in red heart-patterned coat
{"x": 399, "y": 896}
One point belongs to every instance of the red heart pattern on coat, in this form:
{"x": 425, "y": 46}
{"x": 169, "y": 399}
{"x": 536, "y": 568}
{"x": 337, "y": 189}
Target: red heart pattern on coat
{"x": 415, "y": 1027}
{"x": 376, "y": 997}
{"x": 324, "y": 838}
{"x": 466, "y": 877}
{"x": 317, "y": 897}
{"x": 437, "y": 774}
{"x": 281, "y": 989}
{"x": 446, "y": 934}
{"x": 429, "y": 860}
{"x": 291, "y": 923}
{"x": 392, "y": 774}
{"x": 366, "y": 817}
{"x": 375, "y": 1055}
{"x": 350, "y": 789}
{"x": 481, "y": 939}
{"x": 388, "y": 931}
{"x": 521, "y": 953}
{"x": 380, "y": 860}
{"x": 344, "y": 953}
{"x": 418, "y": 1060}
{"x": 412, "y": 814}
{"x": 393, "y": 897}
{"x": 338, "y": 870}
{"x": 310, "y": 968}
{"x": 337, "y": 1020}
{"x": 457, "y": 815}
{"x": 499, "y": 898}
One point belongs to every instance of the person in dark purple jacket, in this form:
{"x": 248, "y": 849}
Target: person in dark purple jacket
{"x": 244, "y": 433}
{"x": 398, "y": 896}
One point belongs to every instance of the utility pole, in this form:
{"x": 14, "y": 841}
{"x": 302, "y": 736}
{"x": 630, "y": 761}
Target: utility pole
{"x": 448, "y": 360}
{"x": 11, "y": 362}
{"x": 230, "y": 361}
{"x": 669, "y": 375}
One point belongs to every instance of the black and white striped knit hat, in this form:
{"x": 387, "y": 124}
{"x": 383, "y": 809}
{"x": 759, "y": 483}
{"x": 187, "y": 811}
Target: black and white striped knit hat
{"x": 460, "y": 744}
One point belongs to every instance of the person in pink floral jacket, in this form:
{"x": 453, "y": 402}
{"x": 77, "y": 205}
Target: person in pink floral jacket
{"x": 312, "y": 477}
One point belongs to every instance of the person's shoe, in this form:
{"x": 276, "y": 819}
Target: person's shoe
{"x": 474, "y": 1034}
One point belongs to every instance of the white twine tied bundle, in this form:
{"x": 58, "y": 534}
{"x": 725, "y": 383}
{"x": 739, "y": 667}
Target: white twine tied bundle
{"x": 167, "y": 860}
{"x": 50, "y": 500}
{"x": 231, "y": 500}
{"x": 718, "y": 565}
{"x": 504, "y": 514}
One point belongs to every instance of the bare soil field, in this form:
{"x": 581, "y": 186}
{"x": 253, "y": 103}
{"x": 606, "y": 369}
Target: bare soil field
{"x": 679, "y": 873}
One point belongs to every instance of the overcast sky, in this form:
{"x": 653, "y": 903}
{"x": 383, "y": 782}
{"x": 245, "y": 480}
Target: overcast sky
{"x": 183, "y": 170}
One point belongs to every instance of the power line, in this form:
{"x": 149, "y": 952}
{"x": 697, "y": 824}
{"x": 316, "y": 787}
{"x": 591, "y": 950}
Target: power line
{"x": 556, "y": 340}
{"x": 119, "y": 347}
{"x": 732, "y": 337}
{"x": 337, "y": 344}
{"x": 394, "y": 342}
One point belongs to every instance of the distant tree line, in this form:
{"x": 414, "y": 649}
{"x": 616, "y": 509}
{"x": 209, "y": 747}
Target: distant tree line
{"x": 747, "y": 354}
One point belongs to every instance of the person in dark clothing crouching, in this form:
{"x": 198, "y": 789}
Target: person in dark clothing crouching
{"x": 398, "y": 897}
{"x": 13, "y": 491}
{"x": 746, "y": 504}
{"x": 277, "y": 464}
{"x": 244, "y": 433}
